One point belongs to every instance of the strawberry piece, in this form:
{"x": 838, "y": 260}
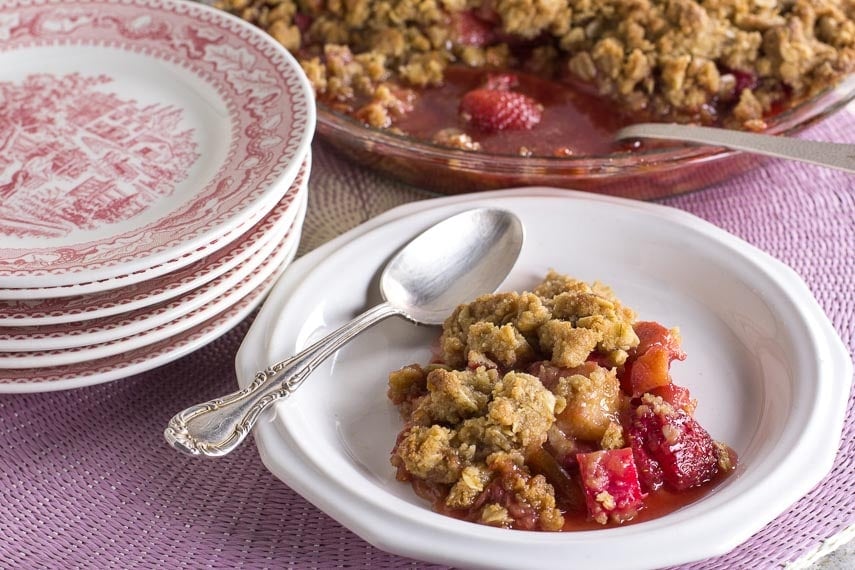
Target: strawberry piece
{"x": 488, "y": 13}
{"x": 491, "y": 110}
{"x": 678, "y": 445}
{"x": 603, "y": 360}
{"x": 744, "y": 80}
{"x": 303, "y": 22}
{"x": 649, "y": 471}
{"x": 470, "y": 30}
{"x": 610, "y": 480}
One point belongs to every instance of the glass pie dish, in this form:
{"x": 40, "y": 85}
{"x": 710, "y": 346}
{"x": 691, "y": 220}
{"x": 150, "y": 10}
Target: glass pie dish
{"x": 645, "y": 173}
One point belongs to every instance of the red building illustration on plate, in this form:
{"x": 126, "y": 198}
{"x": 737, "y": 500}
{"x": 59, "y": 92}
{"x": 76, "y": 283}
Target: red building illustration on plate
{"x": 75, "y": 157}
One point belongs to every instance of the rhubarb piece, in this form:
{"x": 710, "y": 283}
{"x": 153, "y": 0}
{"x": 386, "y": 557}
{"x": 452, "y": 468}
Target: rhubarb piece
{"x": 678, "y": 445}
{"x": 568, "y": 494}
{"x": 648, "y": 366}
{"x": 649, "y": 371}
{"x": 677, "y": 396}
{"x": 612, "y": 488}
{"x": 652, "y": 334}
{"x": 592, "y": 403}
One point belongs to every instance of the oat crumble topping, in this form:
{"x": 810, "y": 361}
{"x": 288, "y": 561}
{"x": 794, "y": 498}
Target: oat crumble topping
{"x": 529, "y": 405}
{"x": 730, "y": 62}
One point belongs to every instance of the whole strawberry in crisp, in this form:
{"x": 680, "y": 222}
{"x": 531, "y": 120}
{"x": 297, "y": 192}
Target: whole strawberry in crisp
{"x": 494, "y": 107}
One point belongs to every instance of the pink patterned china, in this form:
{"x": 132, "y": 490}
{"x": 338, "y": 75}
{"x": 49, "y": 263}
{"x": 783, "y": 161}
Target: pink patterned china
{"x": 155, "y": 271}
{"x": 51, "y": 358}
{"x": 134, "y": 132}
{"x": 42, "y": 311}
{"x": 59, "y": 337}
{"x": 136, "y": 360}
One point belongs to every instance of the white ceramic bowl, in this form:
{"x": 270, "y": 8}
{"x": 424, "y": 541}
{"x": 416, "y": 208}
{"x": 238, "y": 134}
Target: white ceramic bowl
{"x": 770, "y": 374}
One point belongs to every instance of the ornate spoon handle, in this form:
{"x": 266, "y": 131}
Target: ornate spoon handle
{"x": 215, "y": 428}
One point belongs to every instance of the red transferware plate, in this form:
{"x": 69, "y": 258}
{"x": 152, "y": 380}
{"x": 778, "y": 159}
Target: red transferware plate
{"x": 133, "y": 132}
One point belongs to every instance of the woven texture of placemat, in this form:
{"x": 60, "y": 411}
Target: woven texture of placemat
{"x": 86, "y": 479}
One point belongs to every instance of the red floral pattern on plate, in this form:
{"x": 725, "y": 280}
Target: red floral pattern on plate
{"x": 270, "y": 118}
{"x": 73, "y": 156}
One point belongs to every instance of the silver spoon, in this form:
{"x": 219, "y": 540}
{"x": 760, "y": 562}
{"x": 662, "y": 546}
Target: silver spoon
{"x": 834, "y": 155}
{"x": 452, "y": 262}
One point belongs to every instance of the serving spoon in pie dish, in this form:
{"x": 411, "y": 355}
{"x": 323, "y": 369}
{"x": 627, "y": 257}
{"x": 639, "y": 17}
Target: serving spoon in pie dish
{"x": 833, "y": 155}
{"x": 454, "y": 261}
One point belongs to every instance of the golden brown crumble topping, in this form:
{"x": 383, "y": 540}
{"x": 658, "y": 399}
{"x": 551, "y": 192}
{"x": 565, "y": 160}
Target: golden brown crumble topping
{"x": 533, "y": 398}
{"x": 684, "y": 60}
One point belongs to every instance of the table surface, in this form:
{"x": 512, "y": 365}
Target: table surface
{"x": 87, "y": 480}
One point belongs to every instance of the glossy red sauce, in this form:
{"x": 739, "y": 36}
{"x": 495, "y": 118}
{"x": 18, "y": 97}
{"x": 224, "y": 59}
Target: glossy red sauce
{"x": 690, "y": 464}
{"x": 574, "y": 123}
{"x": 657, "y": 504}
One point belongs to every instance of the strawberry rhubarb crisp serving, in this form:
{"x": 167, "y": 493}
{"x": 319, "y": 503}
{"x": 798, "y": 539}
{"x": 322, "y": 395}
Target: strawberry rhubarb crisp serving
{"x": 557, "y": 77}
{"x": 553, "y": 410}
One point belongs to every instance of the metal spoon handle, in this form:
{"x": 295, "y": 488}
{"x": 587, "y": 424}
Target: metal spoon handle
{"x": 834, "y": 155}
{"x": 215, "y": 428}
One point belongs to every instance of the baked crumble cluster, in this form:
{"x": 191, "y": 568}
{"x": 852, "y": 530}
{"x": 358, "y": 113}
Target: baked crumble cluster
{"x": 729, "y": 62}
{"x": 549, "y": 404}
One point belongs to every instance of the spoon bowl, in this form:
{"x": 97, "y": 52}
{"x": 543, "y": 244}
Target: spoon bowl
{"x": 468, "y": 254}
{"x": 454, "y": 261}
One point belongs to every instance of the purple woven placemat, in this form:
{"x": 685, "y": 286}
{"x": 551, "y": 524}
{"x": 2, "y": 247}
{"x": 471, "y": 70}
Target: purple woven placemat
{"x": 87, "y": 481}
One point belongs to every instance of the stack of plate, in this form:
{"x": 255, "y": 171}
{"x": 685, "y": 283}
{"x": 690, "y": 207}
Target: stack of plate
{"x": 154, "y": 162}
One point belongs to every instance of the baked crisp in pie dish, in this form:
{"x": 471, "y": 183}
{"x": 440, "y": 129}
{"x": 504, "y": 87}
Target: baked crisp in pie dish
{"x": 556, "y": 77}
{"x": 553, "y": 410}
